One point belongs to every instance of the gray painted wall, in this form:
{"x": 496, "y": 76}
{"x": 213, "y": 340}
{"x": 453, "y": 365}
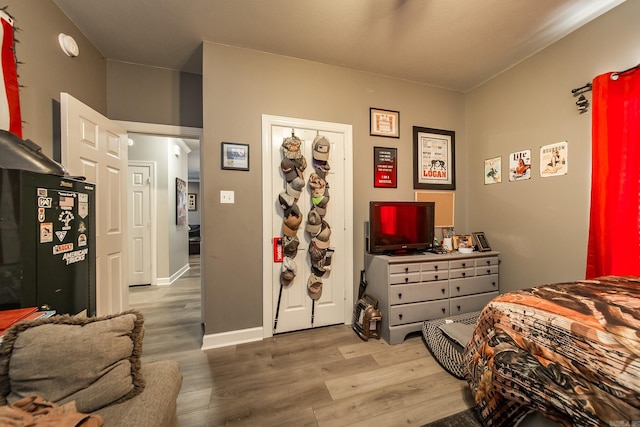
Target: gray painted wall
{"x": 239, "y": 86}
{"x": 541, "y": 225}
{"x": 46, "y": 70}
{"x": 153, "y": 95}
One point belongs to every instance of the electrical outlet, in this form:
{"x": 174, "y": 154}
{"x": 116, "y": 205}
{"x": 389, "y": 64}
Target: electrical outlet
{"x": 226, "y": 196}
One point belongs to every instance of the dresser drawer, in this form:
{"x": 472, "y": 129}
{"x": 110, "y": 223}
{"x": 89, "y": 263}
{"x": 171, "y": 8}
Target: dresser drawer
{"x": 486, "y": 262}
{"x": 417, "y": 312}
{"x": 462, "y": 273}
{"x": 404, "y": 268}
{"x": 483, "y": 271}
{"x": 435, "y": 266}
{"x": 470, "y": 303}
{"x": 461, "y": 263}
{"x": 473, "y": 285}
{"x": 395, "y": 279}
{"x": 416, "y": 292}
{"x": 430, "y": 276}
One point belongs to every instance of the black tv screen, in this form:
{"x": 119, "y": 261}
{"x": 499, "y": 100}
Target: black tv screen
{"x": 401, "y": 227}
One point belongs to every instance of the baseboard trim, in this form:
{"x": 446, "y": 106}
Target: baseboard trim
{"x": 225, "y": 339}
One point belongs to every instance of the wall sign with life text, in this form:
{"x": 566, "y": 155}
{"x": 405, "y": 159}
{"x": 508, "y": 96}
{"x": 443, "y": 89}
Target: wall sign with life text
{"x": 385, "y": 167}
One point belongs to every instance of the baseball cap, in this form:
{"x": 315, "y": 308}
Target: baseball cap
{"x": 290, "y": 245}
{"x": 321, "y": 148}
{"x": 291, "y": 147}
{"x": 322, "y": 239}
{"x": 286, "y": 200}
{"x": 314, "y": 286}
{"x": 288, "y": 169}
{"x": 291, "y": 223}
{"x": 294, "y": 188}
{"x": 314, "y": 223}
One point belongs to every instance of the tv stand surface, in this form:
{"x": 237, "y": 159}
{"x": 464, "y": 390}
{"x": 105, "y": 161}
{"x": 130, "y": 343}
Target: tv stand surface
{"x": 413, "y": 288}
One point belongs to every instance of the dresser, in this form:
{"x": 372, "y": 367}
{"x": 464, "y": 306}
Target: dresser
{"x": 413, "y": 288}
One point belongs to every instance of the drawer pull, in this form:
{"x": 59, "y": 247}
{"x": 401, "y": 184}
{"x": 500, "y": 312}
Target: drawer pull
{"x": 436, "y": 277}
{"x": 488, "y": 262}
{"x": 464, "y": 274}
{"x": 400, "y": 316}
{"x": 458, "y": 288}
{"x": 458, "y": 308}
{"x": 400, "y": 296}
{"x": 443, "y": 291}
{"x": 406, "y": 269}
{"x": 493, "y": 284}
{"x": 436, "y": 267}
{"x": 443, "y": 310}
{"x": 488, "y": 271}
{"x": 406, "y": 280}
{"x": 464, "y": 264}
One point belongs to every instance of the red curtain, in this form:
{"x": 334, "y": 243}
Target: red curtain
{"x": 614, "y": 226}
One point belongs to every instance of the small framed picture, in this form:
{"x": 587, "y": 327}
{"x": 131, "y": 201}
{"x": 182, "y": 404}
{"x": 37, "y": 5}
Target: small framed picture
{"x": 235, "y": 156}
{"x": 191, "y": 201}
{"x": 384, "y": 123}
{"x": 481, "y": 241}
{"x": 462, "y": 241}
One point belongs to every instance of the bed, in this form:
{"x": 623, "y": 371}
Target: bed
{"x": 569, "y": 351}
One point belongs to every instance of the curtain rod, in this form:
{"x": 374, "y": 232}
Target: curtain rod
{"x": 615, "y": 76}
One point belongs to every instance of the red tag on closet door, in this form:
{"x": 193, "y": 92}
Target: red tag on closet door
{"x": 278, "y": 250}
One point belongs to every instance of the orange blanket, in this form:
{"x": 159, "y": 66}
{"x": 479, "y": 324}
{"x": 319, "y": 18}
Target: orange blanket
{"x": 34, "y": 411}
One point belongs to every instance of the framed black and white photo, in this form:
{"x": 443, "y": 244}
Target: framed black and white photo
{"x": 434, "y": 159}
{"x": 235, "y": 156}
{"x": 384, "y": 123}
{"x": 481, "y": 241}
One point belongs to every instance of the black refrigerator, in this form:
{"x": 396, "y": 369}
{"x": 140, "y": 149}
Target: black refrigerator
{"x": 47, "y": 242}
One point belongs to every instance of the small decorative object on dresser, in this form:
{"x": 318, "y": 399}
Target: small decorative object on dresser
{"x": 481, "y": 241}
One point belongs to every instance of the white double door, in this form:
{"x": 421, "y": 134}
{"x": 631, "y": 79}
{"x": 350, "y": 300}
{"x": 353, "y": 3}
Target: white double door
{"x": 292, "y": 304}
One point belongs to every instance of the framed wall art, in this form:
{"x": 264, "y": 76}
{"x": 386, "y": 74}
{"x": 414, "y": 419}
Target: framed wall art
{"x": 235, "y": 156}
{"x": 384, "y": 123}
{"x": 181, "y": 202}
{"x": 434, "y": 159}
{"x": 385, "y": 167}
{"x": 493, "y": 171}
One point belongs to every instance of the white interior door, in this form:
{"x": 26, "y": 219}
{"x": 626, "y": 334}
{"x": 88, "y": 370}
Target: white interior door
{"x": 139, "y": 208}
{"x": 95, "y": 147}
{"x": 294, "y": 308}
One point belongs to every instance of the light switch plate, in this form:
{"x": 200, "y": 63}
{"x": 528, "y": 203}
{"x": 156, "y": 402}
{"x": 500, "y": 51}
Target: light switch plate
{"x": 226, "y": 196}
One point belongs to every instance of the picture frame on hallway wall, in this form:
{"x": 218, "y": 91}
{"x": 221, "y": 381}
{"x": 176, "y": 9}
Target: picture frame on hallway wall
{"x": 434, "y": 159}
{"x": 384, "y": 123}
{"x": 181, "y": 202}
{"x": 234, "y": 156}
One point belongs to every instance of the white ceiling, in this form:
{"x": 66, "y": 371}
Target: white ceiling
{"x": 454, "y": 44}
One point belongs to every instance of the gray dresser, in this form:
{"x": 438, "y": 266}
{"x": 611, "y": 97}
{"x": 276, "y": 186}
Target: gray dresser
{"x": 413, "y": 288}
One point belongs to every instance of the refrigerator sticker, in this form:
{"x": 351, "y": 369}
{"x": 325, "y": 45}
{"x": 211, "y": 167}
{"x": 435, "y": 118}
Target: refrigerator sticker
{"x": 83, "y": 197}
{"x": 66, "y": 217}
{"x": 81, "y": 227}
{"x": 42, "y": 192}
{"x": 61, "y": 235}
{"x": 66, "y": 202}
{"x": 41, "y": 215}
{"x": 46, "y": 232}
{"x": 77, "y": 256}
{"x": 65, "y": 247}
{"x": 82, "y": 240}
{"x": 44, "y": 202}
{"x": 83, "y": 209}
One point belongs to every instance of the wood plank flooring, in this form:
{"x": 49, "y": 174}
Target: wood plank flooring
{"x": 322, "y": 377}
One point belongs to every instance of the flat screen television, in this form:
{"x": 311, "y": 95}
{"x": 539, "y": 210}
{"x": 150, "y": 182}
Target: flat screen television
{"x": 401, "y": 227}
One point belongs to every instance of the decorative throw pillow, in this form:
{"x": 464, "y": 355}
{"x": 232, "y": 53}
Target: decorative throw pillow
{"x": 93, "y": 361}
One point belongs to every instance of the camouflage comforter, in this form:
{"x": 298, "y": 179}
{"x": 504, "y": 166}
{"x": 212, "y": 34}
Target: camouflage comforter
{"x": 569, "y": 350}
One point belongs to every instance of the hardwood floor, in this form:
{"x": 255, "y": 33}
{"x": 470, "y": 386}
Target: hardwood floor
{"x": 322, "y": 377}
